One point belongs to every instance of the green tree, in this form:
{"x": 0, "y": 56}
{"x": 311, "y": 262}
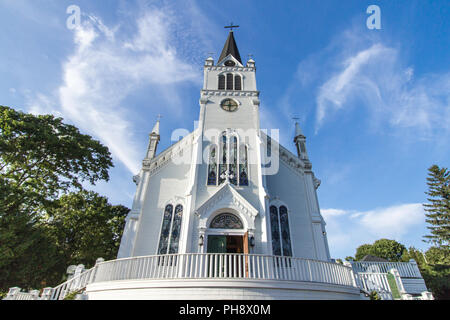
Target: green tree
{"x": 384, "y": 248}
{"x": 40, "y": 158}
{"x": 434, "y": 266}
{"x": 85, "y": 226}
{"x": 438, "y": 210}
{"x": 362, "y": 251}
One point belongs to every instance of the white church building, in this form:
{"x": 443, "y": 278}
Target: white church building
{"x": 226, "y": 212}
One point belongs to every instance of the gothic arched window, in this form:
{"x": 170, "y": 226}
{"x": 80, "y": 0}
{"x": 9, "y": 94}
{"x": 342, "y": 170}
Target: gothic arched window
{"x": 275, "y": 228}
{"x": 165, "y": 230}
{"x": 237, "y": 82}
{"x": 170, "y": 230}
{"x": 223, "y": 161}
{"x": 281, "y": 237}
{"x": 228, "y": 161}
{"x": 229, "y": 81}
{"x": 243, "y": 165}
{"x": 285, "y": 233}
{"x": 221, "y": 82}
{"x": 212, "y": 167}
{"x": 226, "y": 221}
{"x": 233, "y": 160}
{"x": 176, "y": 228}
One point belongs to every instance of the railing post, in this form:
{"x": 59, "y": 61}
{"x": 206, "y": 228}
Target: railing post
{"x": 47, "y": 293}
{"x": 12, "y": 293}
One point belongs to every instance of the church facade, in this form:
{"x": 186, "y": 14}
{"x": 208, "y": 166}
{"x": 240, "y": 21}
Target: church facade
{"x": 226, "y": 212}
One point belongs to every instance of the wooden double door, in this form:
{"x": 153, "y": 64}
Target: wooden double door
{"x": 227, "y": 244}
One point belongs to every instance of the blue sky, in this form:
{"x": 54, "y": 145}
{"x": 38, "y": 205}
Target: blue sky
{"x": 374, "y": 104}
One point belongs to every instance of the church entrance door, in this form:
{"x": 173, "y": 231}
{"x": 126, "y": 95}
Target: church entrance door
{"x": 226, "y": 244}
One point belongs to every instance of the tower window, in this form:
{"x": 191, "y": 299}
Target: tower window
{"x": 229, "y": 81}
{"x": 232, "y": 164}
{"x": 237, "y": 83}
{"x": 221, "y": 82}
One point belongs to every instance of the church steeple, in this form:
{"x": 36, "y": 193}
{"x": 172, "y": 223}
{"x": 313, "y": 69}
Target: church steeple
{"x": 230, "y": 48}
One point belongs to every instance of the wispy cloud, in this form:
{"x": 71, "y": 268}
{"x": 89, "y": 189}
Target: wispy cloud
{"x": 107, "y": 66}
{"x": 348, "y": 229}
{"x": 376, "y": 78}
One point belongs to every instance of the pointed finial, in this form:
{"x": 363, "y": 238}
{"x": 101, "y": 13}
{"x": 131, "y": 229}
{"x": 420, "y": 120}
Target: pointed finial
{"x": 156, "y": 127}
{"x": 298, "y": 130}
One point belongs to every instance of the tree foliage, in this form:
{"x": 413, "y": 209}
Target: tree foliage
{"x": 43, "y": 159}
{"x": 390, "y": 250}
{"x": 84, "y": 227}
{"x": 438, "y": 208}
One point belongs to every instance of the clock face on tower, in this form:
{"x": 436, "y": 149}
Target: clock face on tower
{"x": 229, "y": 105}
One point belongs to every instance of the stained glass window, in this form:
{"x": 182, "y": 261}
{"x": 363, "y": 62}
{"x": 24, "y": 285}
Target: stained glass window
{"x": 281, "y": 240}
{"x": 223, "y": 159}
{"x": 221, "y": 82}
{"x": 229, "y": 159}
{"x": 226, "y": 221}
{"x": 212, "y": 167}
{"x": 176, "y": 228}
{"x": 165, "y": 230}
{"x": 275, "y": 228}
{"x": 170, "y": 230}
{"x": 233, "y": 160}
{"x": 285, "y": 234}
{"x": 243, "y": 166}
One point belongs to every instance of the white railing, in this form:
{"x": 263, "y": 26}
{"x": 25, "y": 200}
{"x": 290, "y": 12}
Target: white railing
{"x": 75, "y": 284}
{"x": 375, "y": 282}
{"x": 406, "y": 269}
{"x": 200, "y": 266}
{"x": 224, "y": 266}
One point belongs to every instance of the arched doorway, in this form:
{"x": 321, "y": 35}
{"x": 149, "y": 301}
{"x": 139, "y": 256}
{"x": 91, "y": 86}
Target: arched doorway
{"x": 227, "y": 235}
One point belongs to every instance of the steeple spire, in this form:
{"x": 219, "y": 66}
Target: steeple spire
{"x": 230, "y": 47}
{"x": 153, "y": 141}
{"x": 300, "y": 142}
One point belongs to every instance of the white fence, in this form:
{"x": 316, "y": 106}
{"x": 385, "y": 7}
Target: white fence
{"x": 406, "y": 269}
{"x": 233, "y": 266}
{"x": 203, "y": 266}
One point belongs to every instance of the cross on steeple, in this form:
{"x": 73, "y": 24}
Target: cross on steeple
{"x": 159, "y": 116}
{"x": 231, "y": 26}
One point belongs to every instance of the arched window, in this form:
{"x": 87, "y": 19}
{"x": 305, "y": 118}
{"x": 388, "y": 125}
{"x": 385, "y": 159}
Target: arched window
{"x": 165, "y": 230}
{"x": 226, "y": 221}
{"x": 212, "y": 167}
{"x": 281, "y": 240}
{"x": 243, "y": 165}
{"x": 176, "y": 228}
{"x": 223, "y": 161}
{"x": 232, "y": 162}
{"x": 229, "y": 81}
{"x": 237, "y": 82}
{"x": 285, "y": 234}
{"x": 170, "y": 230}
{"x": 275, "y": 228}
{"x": 221, "y": 82}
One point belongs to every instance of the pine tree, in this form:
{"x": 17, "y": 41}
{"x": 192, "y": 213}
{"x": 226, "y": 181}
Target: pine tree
{"x": 438, "y": 210}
